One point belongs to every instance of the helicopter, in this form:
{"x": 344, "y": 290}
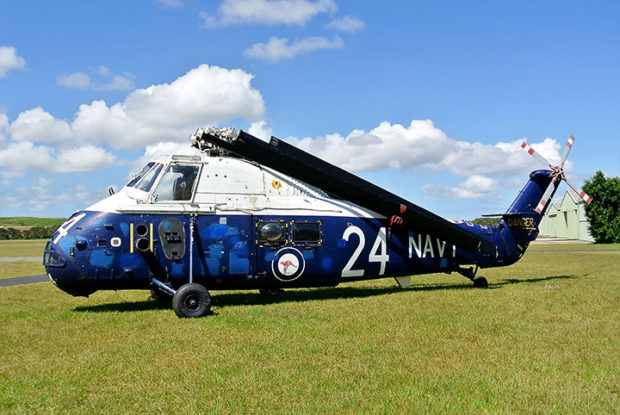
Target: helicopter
{"x": 243, "y": 213}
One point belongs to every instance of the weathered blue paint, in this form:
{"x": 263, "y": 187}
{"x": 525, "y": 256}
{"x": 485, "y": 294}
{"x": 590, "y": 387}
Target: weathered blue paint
{"x": 226, "y": 253}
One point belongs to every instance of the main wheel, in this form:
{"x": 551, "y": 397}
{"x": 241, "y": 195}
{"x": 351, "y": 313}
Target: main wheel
{"x": 480, "y": 282}
{"x": 191, "y": 300}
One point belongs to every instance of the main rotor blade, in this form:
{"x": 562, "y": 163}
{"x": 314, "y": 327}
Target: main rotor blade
{"x": 546, "y": 197}
{"x": 578, "y": 190}
{"x": 296, "y": 163}
{"x": 569, "y": 145}
{"x": 536, "y": 155}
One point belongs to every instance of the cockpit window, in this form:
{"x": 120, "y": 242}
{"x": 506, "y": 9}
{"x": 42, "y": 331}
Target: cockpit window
{"x": 136, "y": 178}
{"x": 177, "y": 183}
{"x": 147, "y": 181}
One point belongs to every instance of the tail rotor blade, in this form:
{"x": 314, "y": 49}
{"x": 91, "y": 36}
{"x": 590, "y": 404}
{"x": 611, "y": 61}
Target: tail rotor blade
{"x": 580, "y": 192}
{"x": 569, "y": 145}
{"x": 535, "y": 154}
{"x": 546, "y": 196}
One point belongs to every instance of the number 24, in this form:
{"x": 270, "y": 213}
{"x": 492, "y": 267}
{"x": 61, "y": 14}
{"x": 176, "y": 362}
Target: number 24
{"x": 378, "y": 252}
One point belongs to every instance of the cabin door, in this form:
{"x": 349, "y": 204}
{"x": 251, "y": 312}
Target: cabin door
{"x": 224, "y": 246}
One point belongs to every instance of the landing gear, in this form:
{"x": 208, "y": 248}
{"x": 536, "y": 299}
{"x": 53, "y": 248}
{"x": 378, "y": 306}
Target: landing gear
{"x": 191, "y": 300}
{"x": 481, "y": 282}
{"x": 470, "y": 274}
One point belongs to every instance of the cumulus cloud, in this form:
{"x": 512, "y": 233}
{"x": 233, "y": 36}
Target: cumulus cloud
{"x": 4, "y": 126}
{"x": 9, "y": 60}
{"x": 80, "y": 80}
{"x": 474, "y": 187}
{"x": 203, "y": 96}
{"x": 18, "y": 158}
{"x": 270, "y": 12}
{"x": 41, "y": 195}
{"x": 261, "y": 129}
{"x": 422, "y": 145}
{"x": 347, "y": 24}
{"x": 77, "y": 80}
{"x": 279, "y": 48}
{"x": 38, "y": 125}
{"x": 117, "y": 83}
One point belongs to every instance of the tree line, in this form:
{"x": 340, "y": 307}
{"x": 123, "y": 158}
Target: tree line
{"x": 36, "y": 232}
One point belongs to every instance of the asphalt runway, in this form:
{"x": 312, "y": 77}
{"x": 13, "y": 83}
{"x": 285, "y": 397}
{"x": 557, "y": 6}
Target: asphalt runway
{"x": 8, "y": 282}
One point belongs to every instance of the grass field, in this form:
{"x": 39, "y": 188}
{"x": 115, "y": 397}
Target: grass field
{"x": 30, "y": 221}
{"x": 545, "y": 338}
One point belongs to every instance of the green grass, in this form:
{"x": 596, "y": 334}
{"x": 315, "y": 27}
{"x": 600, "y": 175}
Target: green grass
{"x": 22, "y": 248}
{"x": 30, "y": 221}
{"x": 12, "y": 269}
{"x": 544, "y": 339}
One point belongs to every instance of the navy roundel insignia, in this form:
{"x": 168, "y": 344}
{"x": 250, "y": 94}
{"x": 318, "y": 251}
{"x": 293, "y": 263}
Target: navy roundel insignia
{"x": 288, "y": 264}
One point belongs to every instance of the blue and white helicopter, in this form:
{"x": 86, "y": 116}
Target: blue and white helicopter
{"x": 246, "y": 214}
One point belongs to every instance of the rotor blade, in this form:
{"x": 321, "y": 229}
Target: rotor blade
{"x": 536, "y": 155}
{"x": 578, "y": 190}
{"x": 569, "y": 145}
{"x": 546, "y": 197}
{"x": 296, "y": 163}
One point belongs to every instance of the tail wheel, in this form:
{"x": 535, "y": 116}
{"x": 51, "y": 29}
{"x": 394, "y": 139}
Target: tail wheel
{"x": 481, "y": 282}
{"x": 191, "y": 300}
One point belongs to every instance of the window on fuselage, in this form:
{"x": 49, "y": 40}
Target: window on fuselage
{"x": 306, "y": 231}
{"x": 147, "y": 181}
{"x": 136, "y": 178}
{"x": 177, "y": 184}
{"x": 271, "y": 232}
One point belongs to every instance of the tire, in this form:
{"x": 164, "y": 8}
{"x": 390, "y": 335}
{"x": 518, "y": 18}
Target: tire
{"x": 191, "y": 301}
{"x": 481, "y": 282}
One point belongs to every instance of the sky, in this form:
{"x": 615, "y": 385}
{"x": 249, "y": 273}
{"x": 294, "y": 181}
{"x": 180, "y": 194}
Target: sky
{"x": 427, "y": 99}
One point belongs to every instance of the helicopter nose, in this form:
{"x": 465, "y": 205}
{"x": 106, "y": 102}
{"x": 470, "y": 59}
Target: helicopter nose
{"x": 62, "y": 271}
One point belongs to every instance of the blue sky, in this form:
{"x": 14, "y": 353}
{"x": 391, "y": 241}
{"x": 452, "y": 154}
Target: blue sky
{"x": 429, "y": 99}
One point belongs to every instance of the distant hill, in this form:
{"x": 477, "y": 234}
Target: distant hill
{"x": 31, "y": 221}
{"x": 28, "y": 227}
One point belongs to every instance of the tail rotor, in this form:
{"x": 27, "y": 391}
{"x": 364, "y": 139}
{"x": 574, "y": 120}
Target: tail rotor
{"x": 556, "y": 174}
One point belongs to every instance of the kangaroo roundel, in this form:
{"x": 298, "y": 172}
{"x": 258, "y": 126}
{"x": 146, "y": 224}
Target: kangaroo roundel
{"x": 288, "y": 264}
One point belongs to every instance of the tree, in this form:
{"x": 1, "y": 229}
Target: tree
{"x": 604, "y": 211}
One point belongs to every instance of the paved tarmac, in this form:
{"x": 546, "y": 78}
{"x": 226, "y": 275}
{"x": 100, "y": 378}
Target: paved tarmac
{"x": 8, "y": 282}
{"x": 22, "y": 259}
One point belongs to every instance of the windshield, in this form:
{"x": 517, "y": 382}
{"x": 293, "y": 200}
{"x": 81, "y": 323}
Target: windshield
{"x": 140, "y": 174}
{"x": 147, "y": 181}
{"x": 177, "y": 183}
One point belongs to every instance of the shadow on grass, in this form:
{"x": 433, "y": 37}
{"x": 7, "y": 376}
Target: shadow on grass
{"x": 319, "y": 294}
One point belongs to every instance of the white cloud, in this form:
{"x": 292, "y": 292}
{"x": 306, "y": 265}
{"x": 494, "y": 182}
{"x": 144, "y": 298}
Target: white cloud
{"x": 39, "y": 125}
{"x": 9, "y": 59}
{"x": 103, "y": 71}
{"x": 82, "y": 159}
{"x": 203, "y": 96}
{"x": 18, "y": 158}
{"x": 261, "y": 129}
{"x": 270, "y": 12}
{"x": 80, "y": 80}
{"x": 279, "y": 48}
{"x": 474, "y": 187}
{"x": 75, "y": 80}
{"x": 347, "y": 24}
{"x": 118, "y": 83}
{"x": 4, "y": 126}
{"x": 422, "y": 145}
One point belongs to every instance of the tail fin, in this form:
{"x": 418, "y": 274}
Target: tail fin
{"x": 521, "y": 217}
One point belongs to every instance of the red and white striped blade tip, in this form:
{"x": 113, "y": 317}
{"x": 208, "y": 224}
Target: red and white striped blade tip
{"x": 541, "y": 205}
